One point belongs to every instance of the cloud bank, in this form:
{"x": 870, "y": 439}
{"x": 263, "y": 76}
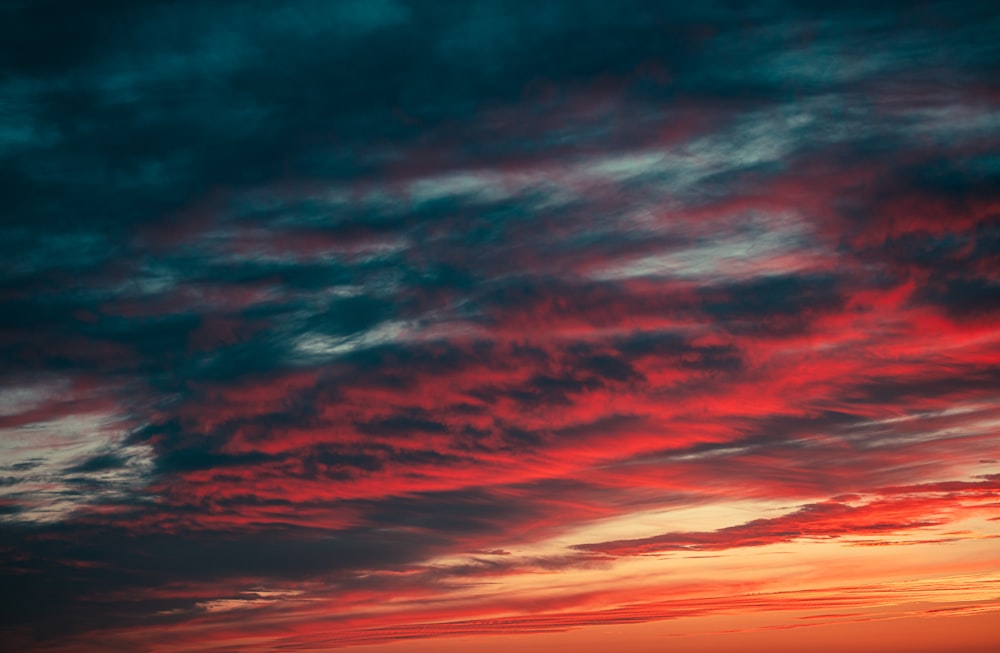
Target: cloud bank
{"x": 336, "y": 324}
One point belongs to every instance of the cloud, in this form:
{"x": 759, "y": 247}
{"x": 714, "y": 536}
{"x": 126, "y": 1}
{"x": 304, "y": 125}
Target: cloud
{"x": 311, "y": 310}
{"x": 829, "y": 519}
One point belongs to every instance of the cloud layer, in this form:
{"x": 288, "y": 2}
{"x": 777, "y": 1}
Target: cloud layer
{"x": 383, "y": 321}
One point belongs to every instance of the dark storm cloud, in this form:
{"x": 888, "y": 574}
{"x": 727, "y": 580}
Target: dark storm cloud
{"x": 928, "y": 384}
{"x": 403, "y": 424}
{"x": 775, "y": 305}
{"x": 964, "y": 298}
{"x": 44, "y": 587}
{"x": 98, "y": 463}
{"x": 675, "y": 347}
{"x": 178, "y": 98}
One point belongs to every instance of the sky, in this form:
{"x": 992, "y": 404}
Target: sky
{"x": 418, "y": 326}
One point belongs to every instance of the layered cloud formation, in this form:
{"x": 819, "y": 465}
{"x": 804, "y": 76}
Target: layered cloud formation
{"x": 384, "y": 323}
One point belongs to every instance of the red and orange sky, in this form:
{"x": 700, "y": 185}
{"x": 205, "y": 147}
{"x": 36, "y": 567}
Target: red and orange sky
{"x": 411, "y": 327}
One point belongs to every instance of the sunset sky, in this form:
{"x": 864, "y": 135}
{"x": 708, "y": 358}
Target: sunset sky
{"x": 572, "y": 326}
